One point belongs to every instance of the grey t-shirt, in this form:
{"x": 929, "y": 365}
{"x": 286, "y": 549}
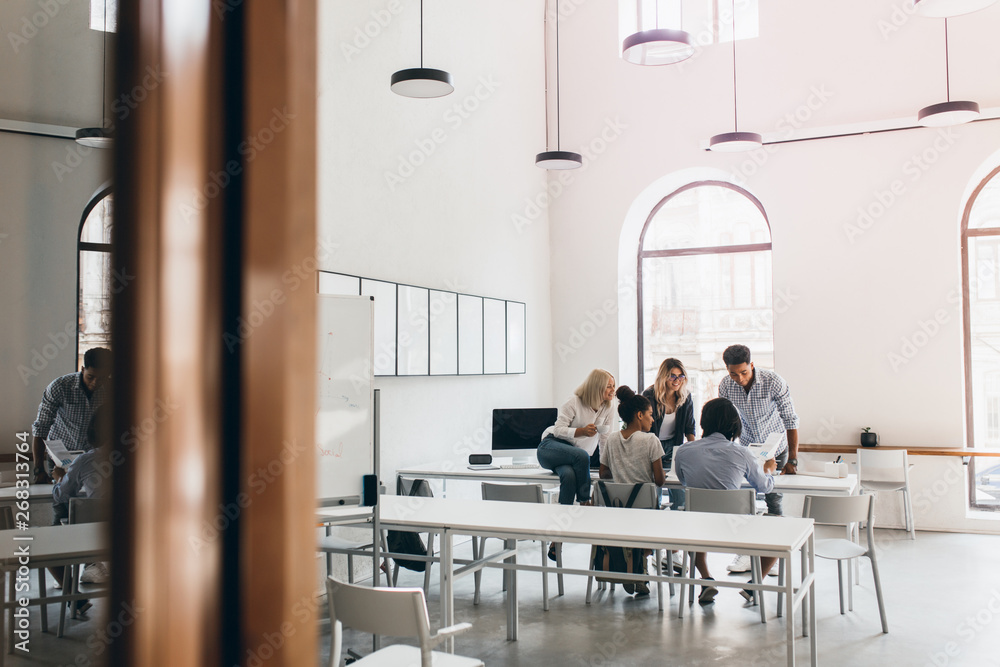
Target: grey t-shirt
{"x": 631, "y": 459}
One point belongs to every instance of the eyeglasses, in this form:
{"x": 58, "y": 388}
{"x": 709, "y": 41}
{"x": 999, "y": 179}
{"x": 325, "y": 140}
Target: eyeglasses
{"x": 675, "y": 378}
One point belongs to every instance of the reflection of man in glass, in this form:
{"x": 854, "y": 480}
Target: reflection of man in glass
{"x": 67, "y": 406}
{"x": 765, "y": 406}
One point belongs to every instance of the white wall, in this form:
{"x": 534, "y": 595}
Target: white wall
{"x": 448, "y": 224}
{"x": 53, "y": 77}
{"x": 856, "y": 297}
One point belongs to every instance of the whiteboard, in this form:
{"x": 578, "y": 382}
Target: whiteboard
{"x": 344, "y": 413}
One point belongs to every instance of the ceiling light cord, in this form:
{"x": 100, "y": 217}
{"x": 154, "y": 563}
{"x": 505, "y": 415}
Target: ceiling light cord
{"x": 558, "y": 111}
{"x": 736, "y": 113}
{"x": 947, "y": 65}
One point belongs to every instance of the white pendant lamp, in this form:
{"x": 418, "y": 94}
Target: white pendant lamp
{"x": 940, "y": 9}
{"x": 949, "y": 112}
{"x": 557, "y": 159}
{"x": 659, "y": 46}
{"x": 99, "y": 137}
{"x": 421, "y": 81}
{"x": 735, "y": 141}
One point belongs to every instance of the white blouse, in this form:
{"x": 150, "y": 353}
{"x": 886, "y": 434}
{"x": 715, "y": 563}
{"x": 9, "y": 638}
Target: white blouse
{"x": 574, "y": 414}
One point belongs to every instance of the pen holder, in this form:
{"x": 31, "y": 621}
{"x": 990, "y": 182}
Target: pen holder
{"x": 835, "y": 469}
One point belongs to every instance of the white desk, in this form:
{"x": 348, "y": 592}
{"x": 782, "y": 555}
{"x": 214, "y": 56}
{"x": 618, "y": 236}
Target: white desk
{"x": 49, "y": 546}
{"x": 37, "y": 493}
{"x": 806, "y": 484}
{"x": 695, "y": 531}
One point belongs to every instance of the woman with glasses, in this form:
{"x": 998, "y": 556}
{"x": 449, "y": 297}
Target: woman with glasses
{"x": 673, "y": 414}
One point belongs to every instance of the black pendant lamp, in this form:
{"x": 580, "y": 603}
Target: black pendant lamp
{"x": 659, "y": 46}
{"x": 557, "y": 159}
{"x": 735, "y": 141}
{"x": 421, "y": 81}
{"x": 948, "y": 113}
{"x": 99, "y": 137}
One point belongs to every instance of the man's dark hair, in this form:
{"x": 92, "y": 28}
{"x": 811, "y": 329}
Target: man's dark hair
{"x": 721, "y": 416}
{"x": 98, "y": 358}
{"x": 736, "y": 355}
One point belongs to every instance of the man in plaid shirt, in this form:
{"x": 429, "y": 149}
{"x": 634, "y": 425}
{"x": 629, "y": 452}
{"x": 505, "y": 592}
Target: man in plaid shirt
{"x": 67, "y": 406}
{"x": 765, "y": 406}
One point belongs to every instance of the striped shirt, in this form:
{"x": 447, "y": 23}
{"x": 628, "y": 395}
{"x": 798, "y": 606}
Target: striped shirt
{"x": 65, "y": 411}
{"x": 766, "y": 409}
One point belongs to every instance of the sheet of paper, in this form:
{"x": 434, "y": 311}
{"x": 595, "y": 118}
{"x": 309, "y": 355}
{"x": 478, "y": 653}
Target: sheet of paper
{"x": 59, "y": 454}
{"x": 770, "y": 447}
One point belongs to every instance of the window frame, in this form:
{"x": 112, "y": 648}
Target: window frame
{"x": 970, "y": 433}
{"x": 99, "y": 195}
{"x": 681, "y": 252}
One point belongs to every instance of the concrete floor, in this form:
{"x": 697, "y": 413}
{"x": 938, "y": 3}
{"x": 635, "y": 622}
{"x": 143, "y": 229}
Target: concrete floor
{"x": 942, "y": 593}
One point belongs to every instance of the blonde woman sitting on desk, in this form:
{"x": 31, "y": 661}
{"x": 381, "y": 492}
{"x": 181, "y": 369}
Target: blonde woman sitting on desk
{"x": 583, "y": 423}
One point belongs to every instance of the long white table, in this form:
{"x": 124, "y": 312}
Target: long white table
{"x": 694, "y": 531}
{"x": 449, "y": 470}
{"x": 48, "y": 546}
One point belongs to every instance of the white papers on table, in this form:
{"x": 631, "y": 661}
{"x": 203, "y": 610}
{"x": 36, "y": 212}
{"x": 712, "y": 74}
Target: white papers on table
{"x": 59, "y": 454}
{"x": 769, "y": 449}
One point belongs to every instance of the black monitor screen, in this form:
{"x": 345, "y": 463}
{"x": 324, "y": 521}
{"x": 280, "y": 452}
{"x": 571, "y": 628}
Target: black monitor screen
{"x": 521, "y": 428}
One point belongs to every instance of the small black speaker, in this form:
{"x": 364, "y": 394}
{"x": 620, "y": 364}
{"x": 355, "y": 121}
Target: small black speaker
{"x": 480, "y": 459}
{"x": 369, "y": 490}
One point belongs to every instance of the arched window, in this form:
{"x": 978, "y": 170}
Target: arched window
{"x": 981, "y": 287}
{"x": 94, "y": 277}
{"x": 704, "y": 283}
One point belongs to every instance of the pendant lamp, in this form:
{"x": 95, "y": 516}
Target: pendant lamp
{"x": 735, "y": 141}
{"x": 99, "y": 137}
{"x": 659, "y": 46}
{"x": 948, "y": 113}
{"x": 940, "y": 9}
{"x": 421, "y": 81}
{"x": 557, "y": 159}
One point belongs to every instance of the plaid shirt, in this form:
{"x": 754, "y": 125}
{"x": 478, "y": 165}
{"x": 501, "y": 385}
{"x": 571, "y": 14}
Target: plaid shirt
{"x": 65, "y": 411}
{"x": 766, "y": 409}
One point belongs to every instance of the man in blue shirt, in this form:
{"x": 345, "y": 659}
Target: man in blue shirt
{"x": 67, "y": 406}
{"x": 765, "y": 406}
{"x": 716, "y": 462}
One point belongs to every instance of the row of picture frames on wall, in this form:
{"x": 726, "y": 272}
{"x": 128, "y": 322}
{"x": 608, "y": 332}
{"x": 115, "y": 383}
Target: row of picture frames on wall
{"x": 421, "y": 331}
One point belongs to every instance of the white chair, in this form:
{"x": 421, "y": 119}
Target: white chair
{"x": 395, "y": 612}
{"x": 618, "y": 496}
{"x": 517, "y": 493}
{"x": 331, "y": 544}
{"x": 887, "y": 470}
{"x": 725, "y": 501}
{"x": 847, "y": 511}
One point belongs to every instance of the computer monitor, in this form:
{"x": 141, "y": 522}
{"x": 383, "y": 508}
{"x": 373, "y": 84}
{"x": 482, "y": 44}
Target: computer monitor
{"x": 517, "y": 431}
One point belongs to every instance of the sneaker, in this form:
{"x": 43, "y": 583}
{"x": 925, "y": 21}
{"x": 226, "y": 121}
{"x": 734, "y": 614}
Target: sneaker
{"x": 94, "y": 573}
{"x": 708, "y": 593}
{"x": 739, "y": 564}
{"x": 676, "y": 561}
{"x": 747, "y": 594}
{"x": 629, "y": 587}
{"x": 641, "y": 589}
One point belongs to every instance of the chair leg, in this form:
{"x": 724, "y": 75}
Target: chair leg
{"x": 850, "y": 587}
{"x": 559, "y": 577}
{"x": 757, "y": 575}
{"x": 66, "y": 586}
{"x": 684, "y": 569}
{"x": 478, "y": 575}
{"x": 659, "y": 584}
{"x": 908, "y": 508}
{"x": 840, "y": 583}
{"x": 878, "y": 593}
{"x": 781, "y": 582}
{"x": 350, "y": 568}
{"x": 43, "y": 608}
{"x": 427, "y": 570}
{"x": 691, "y": 574}
{"x": 545, "y": 577}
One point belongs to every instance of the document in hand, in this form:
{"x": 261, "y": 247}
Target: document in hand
{"x": 770, "y": 447}
{"x": 59, "y": 454}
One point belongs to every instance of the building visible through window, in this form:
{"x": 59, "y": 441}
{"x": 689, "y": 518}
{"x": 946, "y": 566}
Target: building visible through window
{"x": 94, "y": 278}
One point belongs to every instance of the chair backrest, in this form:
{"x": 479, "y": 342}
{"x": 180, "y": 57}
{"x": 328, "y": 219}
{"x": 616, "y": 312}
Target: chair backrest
{"x": 6, "y": 517}
{"x": 619, "y": 493}
{"x": 87, "y": 510}
{"x": 517, "y": 493}
{"x": 839, "y": 510}
{"x": 721, "y": 501}
{"x": 396, "y": 612}
{"x": 889, "y": 465}
{"x": 414, "y": 487}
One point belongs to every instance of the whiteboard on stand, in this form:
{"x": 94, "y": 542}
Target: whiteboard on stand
{"x": 344, "y": 398}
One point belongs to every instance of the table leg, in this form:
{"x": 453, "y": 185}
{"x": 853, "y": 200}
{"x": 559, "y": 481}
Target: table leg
{"x": 804, "y": 557}
{"x": 813, "y": 642}
{"x": 790, "y": 624}
{"x": 511, "y": 591}
{"x": 446, "y": 566}
{"x": 10, "y": 612}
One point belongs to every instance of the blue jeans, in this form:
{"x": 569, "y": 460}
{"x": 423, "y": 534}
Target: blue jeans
{"x": 572, "y": 464}
{"x": 676, "y": 495}
{"x": 773, "y": 500}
